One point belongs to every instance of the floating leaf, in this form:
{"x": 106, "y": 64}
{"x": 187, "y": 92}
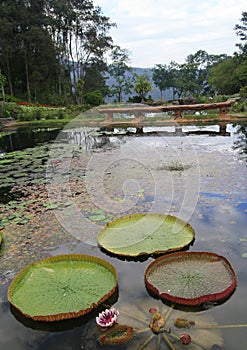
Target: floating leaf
{"x": 191, "y": 278}
{"x": 97, "y": 217}
{"x": 4, "y": 222}
{"x": 62, "y": 287}
{"x": 144, "y": 234}
{"x": 118, "y": 334}
{"x": 50, "y": 205}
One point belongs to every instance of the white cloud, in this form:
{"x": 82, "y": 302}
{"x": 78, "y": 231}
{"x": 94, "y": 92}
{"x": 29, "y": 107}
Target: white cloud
{"x": 160, "y": 31}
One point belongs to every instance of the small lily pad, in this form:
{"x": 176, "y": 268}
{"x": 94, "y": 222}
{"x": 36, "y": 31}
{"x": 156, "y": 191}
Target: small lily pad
{"x": 116, "y": 335}
{"x": 145, "y": 234}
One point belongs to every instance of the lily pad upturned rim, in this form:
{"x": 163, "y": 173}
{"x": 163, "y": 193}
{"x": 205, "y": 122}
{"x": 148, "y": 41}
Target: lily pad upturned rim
{"x": 214, "y": 297}
{"x": 141, "y": 253}
{"x": 60, "y": 258}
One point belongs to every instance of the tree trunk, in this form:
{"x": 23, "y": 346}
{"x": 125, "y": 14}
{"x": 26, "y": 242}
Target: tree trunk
{"x": 9, "y": 77}
{"x": 27, "y": 77}
{"x": 3, "y": 93}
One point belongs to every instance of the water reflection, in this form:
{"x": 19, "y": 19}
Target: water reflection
{"x": 23, "y": 138}
{"x": 112, "y": 136}
{"x": 241, "y": 142}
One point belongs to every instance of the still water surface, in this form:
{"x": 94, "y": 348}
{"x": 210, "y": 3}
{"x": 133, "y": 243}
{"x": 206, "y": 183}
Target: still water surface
{"x": 197, "y": 173}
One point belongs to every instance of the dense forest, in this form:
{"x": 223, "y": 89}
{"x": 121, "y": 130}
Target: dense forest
{"x": 54, "y": 52}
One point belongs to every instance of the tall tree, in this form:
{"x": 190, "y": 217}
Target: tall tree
{"x": 224, "y": 78}
{"x": 46, "y": 45}
{"x": 81, "y": 30}
{"x": 230, "y": 75}
{"x": 204, "y": 63}
{"x": 121, "y": 73}
{"x": 142, "y": 86}
{"x": 241, "y": 31}
{"x": 2, "y": 84}
{"x": 162, "y": 78}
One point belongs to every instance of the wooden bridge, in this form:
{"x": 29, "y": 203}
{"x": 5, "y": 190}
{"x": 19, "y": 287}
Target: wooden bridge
{"x": 139, "y": 112}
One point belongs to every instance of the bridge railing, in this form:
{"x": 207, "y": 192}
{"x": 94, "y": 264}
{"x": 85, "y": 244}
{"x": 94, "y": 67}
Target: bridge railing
{"x": 139, "y": 112}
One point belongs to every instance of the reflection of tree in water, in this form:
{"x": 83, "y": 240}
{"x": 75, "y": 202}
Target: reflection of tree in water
{"x": 241, "y": 143}
{"x": 89, "y": 139}
{"x": 85, "y": 139}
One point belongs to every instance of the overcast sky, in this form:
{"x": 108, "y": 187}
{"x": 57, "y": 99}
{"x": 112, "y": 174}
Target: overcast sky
{"x": 159, "y": 31}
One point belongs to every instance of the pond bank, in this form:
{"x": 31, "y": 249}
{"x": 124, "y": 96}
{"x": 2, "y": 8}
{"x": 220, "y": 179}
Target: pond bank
{"x": 9, "y": 124}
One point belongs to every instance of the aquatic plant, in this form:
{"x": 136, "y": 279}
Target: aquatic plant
{"x": 145, "y": 234}
{"x": 141, "y": 314}
{"x": 62, "y": 287}
{"x": 107, "y": 318}
{"x": 116, "y": 335}
{"x": 191, "y": 278}
{"x": 185, "y": 338}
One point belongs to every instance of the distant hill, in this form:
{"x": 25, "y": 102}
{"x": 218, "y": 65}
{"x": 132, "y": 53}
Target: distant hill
{"x": 155, "y": 93}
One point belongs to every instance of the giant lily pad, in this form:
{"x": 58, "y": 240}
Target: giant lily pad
{"x": 191, "y": 278}
{"x": 145, "y": 234}
{"x": 62, "y": 287}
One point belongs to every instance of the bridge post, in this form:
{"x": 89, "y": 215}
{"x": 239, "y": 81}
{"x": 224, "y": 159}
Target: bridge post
{"x": 138, "y": 116}
{"x": 109, "y": 117}
{"x": 222, "y": 112}
{"x": 178, "y": 114}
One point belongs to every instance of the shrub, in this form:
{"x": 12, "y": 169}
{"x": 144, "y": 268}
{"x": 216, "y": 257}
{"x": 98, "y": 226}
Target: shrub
{"x": 94, "y": 98}
{"x": 243, "y": 92}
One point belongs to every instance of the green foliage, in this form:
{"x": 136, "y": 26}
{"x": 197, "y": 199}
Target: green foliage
{"x": 118, "y": 69}
{"x": 94, "y": 98}
{"x": 142, "y": 85}
{"x": 228, "y": 76}
{"x": 243, "y": 92}
{"x": 46, "y": 45}
{"x": 241, "y": 31}
{"x": 162, "y": 77}
{"x": 28, "y": 113}
{"x": 135, "y": 99}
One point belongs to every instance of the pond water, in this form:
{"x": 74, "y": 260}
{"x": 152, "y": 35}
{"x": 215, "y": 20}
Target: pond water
{"x": 70, "y": 188}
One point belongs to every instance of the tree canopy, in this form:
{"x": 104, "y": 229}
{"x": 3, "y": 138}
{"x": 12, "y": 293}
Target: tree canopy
{"x": 45, "y": 46}
{"x": 54, "y": 51}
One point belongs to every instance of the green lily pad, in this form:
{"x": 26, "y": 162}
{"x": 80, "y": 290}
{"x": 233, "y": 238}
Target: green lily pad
{"x": 191, "y": 278}
{"x": 145, "y": 234}
{"x": 62, "y": 287}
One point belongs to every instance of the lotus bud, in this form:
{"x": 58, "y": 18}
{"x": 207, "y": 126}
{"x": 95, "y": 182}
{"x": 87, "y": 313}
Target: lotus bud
{"x": 185, "y": 338}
